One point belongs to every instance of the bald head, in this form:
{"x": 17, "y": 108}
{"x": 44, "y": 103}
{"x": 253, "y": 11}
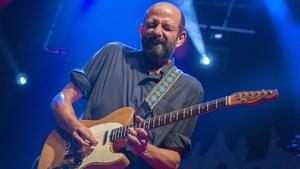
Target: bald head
{"x": 167, "y": 8}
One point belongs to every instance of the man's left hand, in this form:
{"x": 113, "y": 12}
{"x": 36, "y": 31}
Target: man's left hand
{"x": 137, "y": 140}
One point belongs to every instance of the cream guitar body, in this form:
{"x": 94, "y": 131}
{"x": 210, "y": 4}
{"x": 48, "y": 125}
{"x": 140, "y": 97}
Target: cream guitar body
{"x": 104, "y": 156}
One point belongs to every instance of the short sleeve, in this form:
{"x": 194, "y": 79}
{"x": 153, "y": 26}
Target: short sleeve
{"x": 179, "y": 137}
{"x": 84, "y": 79}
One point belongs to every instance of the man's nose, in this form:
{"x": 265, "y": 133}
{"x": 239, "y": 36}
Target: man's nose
{"x": 158, "y": 31}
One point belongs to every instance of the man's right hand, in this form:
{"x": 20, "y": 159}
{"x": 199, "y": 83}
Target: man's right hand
{"x": 83, "y": 135}
{"x": 66, "y": 118}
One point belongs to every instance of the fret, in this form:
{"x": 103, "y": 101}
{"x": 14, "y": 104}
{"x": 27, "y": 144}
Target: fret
{"x": 177, "y": 115}
{"x": 146, "y": 125}
{"x": 158, "y": 120}
{"x": 216, "y": 103}
{"x": 165, "y": 116}
{"x": 127, "y": 131}
{"x": 117, "y": 133}
{"x": 149, "y": 124}
{"x": 199, "y": 108}
{"x": 184, "y": 113}
{"x": 174, "y": 116}
{"x": 207, "y": 106}
{"x": 192, "y": 110}
{"x": 124, "y": 131}
{"x": 153, "y": 122}
{"x": 121, "y": 131}
{"x": 171, "y": 117}
{"x": 113, "y": 134}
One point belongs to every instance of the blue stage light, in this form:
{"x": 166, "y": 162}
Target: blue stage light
{"x": 21, "y": 79}
{"x": 205, "y": 60}
{"x": 218, "y": 36}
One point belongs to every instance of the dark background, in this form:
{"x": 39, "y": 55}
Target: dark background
{"x": 236, "y": 138}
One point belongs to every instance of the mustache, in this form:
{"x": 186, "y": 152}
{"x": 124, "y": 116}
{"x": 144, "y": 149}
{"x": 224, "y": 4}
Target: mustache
{"x": 152, "y": 40}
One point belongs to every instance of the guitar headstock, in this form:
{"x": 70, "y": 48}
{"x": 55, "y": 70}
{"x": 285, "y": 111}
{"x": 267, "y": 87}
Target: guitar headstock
{"x": 252, "y": 97}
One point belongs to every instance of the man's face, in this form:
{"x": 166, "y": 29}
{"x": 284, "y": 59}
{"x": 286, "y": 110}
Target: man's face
{"x": 160, "y": 32}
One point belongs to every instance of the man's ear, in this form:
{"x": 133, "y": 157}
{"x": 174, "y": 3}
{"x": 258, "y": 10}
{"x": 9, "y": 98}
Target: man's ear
{"x": 181, "y": 38}
{"x": 141, "y": 29}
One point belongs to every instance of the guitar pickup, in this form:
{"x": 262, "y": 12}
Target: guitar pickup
{"x": 105, "y": 138}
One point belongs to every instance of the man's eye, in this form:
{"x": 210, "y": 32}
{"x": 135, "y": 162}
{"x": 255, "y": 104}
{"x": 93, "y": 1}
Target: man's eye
{"x": 151, "y": 25}
{"x": 167, "y": 28}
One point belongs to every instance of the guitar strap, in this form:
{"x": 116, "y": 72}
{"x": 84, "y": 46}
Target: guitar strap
{"x": 158, "y": 92}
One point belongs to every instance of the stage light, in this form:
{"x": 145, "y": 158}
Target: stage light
{"x": 21, "y": 79}
{"x": 205, "y": 60}
{"x": 218, "y": 36}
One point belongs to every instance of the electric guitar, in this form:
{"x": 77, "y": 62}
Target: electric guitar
{"x": 61, "y": 152}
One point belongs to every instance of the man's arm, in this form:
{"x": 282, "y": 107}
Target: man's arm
{"x": 161, "y": 158}
{"x": 66, "y": 118}
{"x": 158, "y": 158}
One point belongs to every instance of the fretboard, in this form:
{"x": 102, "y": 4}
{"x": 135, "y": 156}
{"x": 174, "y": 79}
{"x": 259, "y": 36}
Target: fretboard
{"x": 169, "y": 118}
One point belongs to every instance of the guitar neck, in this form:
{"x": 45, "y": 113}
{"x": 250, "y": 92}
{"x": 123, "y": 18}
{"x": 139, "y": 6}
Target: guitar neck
{"x": 171, "y": 117}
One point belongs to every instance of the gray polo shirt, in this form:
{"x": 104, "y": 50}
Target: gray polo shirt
{"x": 116, "y": 76}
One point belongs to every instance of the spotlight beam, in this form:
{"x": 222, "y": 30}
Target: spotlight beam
{"x": 5, "y": 50}
{"x": 226, "y": 20}
{"x": 192, "y": 28}
{"x": 53, "y": 25}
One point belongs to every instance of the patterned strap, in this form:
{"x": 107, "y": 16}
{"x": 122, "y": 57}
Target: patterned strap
{"x": 159, "y": 91}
